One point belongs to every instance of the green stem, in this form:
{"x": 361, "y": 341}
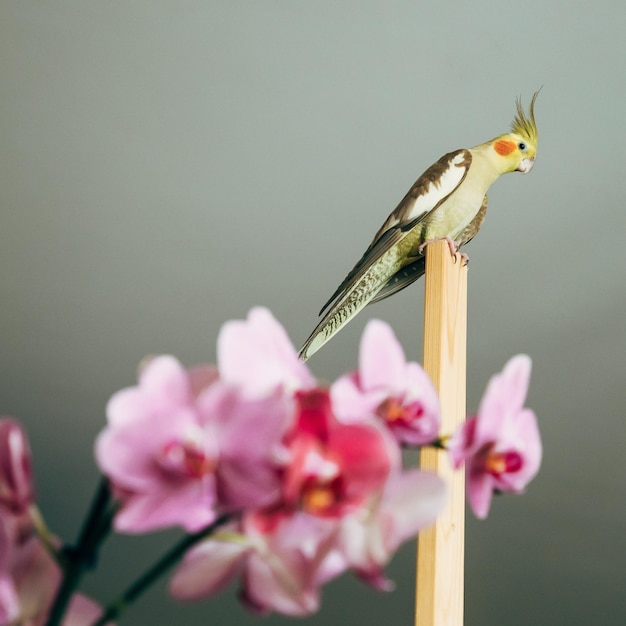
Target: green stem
{"x": 170, "y": 558}
{"x": 45, "y": 536}
{"x": 82, "y": 556}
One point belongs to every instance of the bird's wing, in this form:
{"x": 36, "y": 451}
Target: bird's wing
{"x": 416, "y": 269}
{"x": 401, "y": 279}
{"x": 428, "y": 192}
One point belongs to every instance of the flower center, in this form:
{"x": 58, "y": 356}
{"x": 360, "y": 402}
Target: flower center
{"x": 393, "y": 410}
{"x": 319, "y": 498}
{"x": 186, "y": 458}
{"x": 503, "y": 463}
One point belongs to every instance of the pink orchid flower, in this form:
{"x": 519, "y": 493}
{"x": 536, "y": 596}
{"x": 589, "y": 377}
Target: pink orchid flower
{"x": 501, "y": 445}
{"x": 16, "y": 477}
{"x": 333, "y": 468}
{"x": 411, "y": 501}
{"x": 29, "y": 579}
{"x": 281, "y": 560}
{"x": 157, "y": 454}
{"x": 9, "y": 600}
{"x": 249, "y": 434}
{"x": 388, "y": 387}
{"x": 257, "y": 356}
{"x": 184, "y": 444}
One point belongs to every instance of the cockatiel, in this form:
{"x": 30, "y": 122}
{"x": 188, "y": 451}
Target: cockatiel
{"x": 447, "y": 201}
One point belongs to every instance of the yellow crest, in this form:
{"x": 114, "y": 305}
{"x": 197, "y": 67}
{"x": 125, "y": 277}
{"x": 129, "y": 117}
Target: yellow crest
{"x": 524, "y": 125}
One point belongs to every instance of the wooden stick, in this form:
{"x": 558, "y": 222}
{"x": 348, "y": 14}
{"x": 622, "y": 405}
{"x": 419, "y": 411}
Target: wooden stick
{"x": 440, "y": 556}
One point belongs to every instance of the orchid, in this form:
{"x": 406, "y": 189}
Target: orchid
{"x": 16, "y": 484}
{"x": 333, "y": 467}
{"x": 157, "y": 453}
{"x": 411, "y": 501}
{"x": 387, "y": 387}
{"x": 500, "y": 445}
{"x": 178, "y": 453}
{"x": 29, "y": 578}
{"x": 281, "y": 559}
{"x": 281, "y": 483}
{"x": 257, "y": 356}
{"x": 248, "y": 436}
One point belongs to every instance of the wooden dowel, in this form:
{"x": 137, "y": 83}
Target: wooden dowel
{"x": 440, "y": 556}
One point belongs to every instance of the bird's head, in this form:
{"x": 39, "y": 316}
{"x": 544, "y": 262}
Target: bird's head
{"x": 515, "y": 151}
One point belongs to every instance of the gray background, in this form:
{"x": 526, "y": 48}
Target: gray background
{"x": 168, "y": 165}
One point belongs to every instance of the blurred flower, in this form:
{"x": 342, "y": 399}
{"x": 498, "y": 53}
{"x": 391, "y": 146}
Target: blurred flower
{"x": 345, "y": 505}
{"x": 9, "y": 601}
{"x": 501, "y": 445}
{"x": 248, "y": 434}
{"x": 16, "y": 480}
{"x": 332, "y": 467}
{"x": 29, "y": 578}
{"x": 280, "y": 559}
{"x": 257, "y": 356}
{"x": 157, "y": 454}
{"x": 184, "y": 444}
{"x": 387, "y": 386}
{"x": 411, "y": 501}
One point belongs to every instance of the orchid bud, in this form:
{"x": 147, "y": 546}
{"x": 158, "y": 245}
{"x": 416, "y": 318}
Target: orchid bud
{"x": 16, "y": 484}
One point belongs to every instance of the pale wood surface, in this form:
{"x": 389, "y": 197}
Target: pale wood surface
{"x": 440, "y": 557}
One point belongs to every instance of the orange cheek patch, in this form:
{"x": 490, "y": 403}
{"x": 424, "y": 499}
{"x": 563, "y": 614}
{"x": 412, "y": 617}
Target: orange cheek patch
{"x": 504, "y": 147}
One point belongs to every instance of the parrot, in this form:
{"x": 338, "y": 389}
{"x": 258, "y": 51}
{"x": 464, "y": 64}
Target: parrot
{"x": 448, "y": 201}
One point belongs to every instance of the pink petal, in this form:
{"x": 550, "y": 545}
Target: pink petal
{"x": 398, "y": 393}
{"x": 166, "y": 379}
{"x": 36, "y": 577}
{"x": 250, "y": 433}
{"x": 412, "y": 500}
{"x": 525, "y": 440}
{"x": 350, "y": 403}
{"x": 505, "y": 394}
{"x": 16, "y": 477}
{"x": 280, "y": 586}
{"x": 163, "y": 386}
{"x": 420, "y": 386}
{"x": 480, "y": 493}
{"x": 284, "y": 573}
{"x": 82, "y": 611}
{"x": 365, "y": 457}
{"x": 381, "y": 358}
{"x": 257, "y": 355}
{"x": 128, "y": 452}
{"x": 463, "y": 443}
{"x": 208, "y": 569}
{"x": 533, "y": 450}
{"x": 188, "y": 504}
{"x": 9, "y": 601}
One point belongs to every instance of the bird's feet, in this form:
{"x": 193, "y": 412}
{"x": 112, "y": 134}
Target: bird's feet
{"x": 453, "y": 245}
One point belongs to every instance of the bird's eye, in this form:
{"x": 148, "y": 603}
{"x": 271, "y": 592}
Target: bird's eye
{"x": 521, "y": 145}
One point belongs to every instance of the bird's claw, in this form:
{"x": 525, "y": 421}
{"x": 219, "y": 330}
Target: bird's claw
{"x": 454, "y": 249}
{"x": 453, "y": 245}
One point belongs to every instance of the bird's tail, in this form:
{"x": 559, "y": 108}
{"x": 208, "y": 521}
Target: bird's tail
{"x": 375, "y": 285}
{"x": 337, "y": 317}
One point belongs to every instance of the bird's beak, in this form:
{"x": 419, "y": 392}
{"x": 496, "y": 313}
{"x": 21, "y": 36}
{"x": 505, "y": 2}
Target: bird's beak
{"x": 526, "y": 165}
